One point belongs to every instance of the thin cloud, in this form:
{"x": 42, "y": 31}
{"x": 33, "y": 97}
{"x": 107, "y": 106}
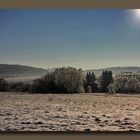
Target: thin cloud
{"x": 87, "y": 34}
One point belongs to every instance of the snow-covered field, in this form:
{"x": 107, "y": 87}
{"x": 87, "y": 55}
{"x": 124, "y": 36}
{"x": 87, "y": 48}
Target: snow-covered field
{"x": 69, "y": 112}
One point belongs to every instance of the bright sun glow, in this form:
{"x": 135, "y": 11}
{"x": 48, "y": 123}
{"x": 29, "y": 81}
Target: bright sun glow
{"x": 137, "y": 13}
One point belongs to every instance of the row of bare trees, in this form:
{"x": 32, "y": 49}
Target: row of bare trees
{"x": 127, "y": 84}
{"x": 62, "y": 80}
{"x": 72, "y": 80}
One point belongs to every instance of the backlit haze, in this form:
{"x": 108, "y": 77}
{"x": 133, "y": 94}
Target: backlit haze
{"x": 87, "y": 39}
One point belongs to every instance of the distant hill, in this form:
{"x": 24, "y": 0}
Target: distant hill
{"x": 12, "y": 71}
{"x": 116, "y": 70}
{"x": 7, "y": 70}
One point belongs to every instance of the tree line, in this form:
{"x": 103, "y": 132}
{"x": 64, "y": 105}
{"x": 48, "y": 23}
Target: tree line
{"x": 72, "y": 80}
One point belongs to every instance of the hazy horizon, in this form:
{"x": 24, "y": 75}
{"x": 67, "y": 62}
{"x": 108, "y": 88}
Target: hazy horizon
{"x": 90, "y": 68}
{"x": 87, "y": 39}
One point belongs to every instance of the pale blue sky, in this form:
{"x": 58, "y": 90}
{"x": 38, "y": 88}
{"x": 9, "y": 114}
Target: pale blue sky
{"x": 87, "y": 38}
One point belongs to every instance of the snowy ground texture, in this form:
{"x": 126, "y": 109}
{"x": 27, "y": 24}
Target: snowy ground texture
{"x": 69, "y": 112}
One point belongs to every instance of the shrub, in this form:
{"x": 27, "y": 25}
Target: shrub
{"x": 19, "y": 87}
{"x": 112, "y": 88}
{"x": 3, "y": 85}
{"x": 88, "y": 89}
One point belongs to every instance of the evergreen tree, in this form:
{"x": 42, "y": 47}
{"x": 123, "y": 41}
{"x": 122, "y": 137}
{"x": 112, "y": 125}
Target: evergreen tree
{"x": 106, "y": 79}
{"x": 90, "y": 82}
